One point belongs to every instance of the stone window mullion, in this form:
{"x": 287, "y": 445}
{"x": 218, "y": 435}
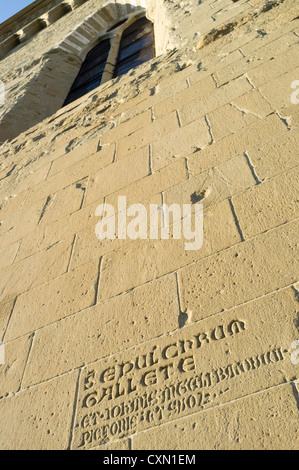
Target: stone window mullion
{"x": 114, "y": 50}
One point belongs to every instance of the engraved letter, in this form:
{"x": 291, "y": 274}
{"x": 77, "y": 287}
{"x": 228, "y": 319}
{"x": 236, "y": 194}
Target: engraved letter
{"x": 235, "y": 327}
{"x": 149, "y": 378}
{"x": 124, "y": 369}
{"x": 171, "y": 354}
{"x": 218, "y": 333}
{"x": 108, "y": 375}
{"x": 187, "y": 364}
{"x": 201, "y": 338}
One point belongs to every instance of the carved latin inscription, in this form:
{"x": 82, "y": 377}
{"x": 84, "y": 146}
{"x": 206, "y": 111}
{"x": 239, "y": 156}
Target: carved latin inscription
{"x": 164, "y": 380}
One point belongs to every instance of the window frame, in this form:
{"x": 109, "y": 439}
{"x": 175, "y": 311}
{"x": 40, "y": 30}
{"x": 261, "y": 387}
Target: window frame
{"x": 115, "y": 34}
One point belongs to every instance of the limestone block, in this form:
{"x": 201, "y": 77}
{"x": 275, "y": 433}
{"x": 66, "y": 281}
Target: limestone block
{"x": 264, "y": 421}
{"x": 107, "y": 327}
{"x": 5, "y": 312}
{"x": 127, "y": 128}
{"x": 28, "y": 179}
{"x": 11, "y": 203}
{"x": 261, "y": 55}
{"x": 221, "y": 96}
{"x": 35, "y": 270}
{"x": 278, "y": 155}
{"x": 74, "y": 173}
{"x": 144, "y": 260}
{"x": 88, "y": 247}
{"x": 31, "y": 413}
{"x": 214, "y": 185}
{"x": 11, "y": 372}
{"x": 275, "y": 67}
{"x": 191, "y": 137}
{"x": 152, "y": 184}
{"x": 278, "y": 91}
{"x": 198, "y": 91}
{"x": 63, "y": 202}
{"x": 234, "y": 144}
{"x": 123, "y": 444}
{"x": 241, "y": 273}
{"x": 148, "y": 134}
{"x": 118, "y": 175}
{"x": 54, "y": 300}
{"x": 228, "y": 119}
{"x": 280, "y": 33}
{"x": 192, "y": 370}
{"x": 133, "y": 102}
{"x": 82, "y": 152}
{"x": 21, "y": 223}
{"x": 269, "y": 204}
{"x": 48, "y": 235}
{"x": 8, "y": 255}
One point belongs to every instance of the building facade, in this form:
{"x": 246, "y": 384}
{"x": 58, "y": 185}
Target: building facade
{"x": 118, "y": 329}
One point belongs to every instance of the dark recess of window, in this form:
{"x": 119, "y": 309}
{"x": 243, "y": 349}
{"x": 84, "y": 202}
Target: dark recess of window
{"x": 91, "y": 72}
{"x": 136, "y": 47}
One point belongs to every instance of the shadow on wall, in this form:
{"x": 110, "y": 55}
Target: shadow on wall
{"x": 45, "y": 91}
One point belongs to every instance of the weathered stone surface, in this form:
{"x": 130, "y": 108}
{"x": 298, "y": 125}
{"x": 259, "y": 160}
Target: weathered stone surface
{"x": 291, "y": 115}
{"x": 118, "y": 175}
{"x": 245, "y": 424}
{"x": 54, "y": 300}
{"x": 5, "y": 312}
{"x": 206, "y": 364}
{"x": 280, "y": 154}
{"x": 240, "y": 273}
{"x": 16, "y": 356}
{"x": 199, "y": 90}
{"x": 221, "y": 96}
{"x": 48, "y": 235}
{"x": 35, "y": 270}
{"x": 144, "y": 260}
{"x": 39, "y": 417}
{"x": 145, "y": 343}
{"x": 234, "y": 144}
{"x": 214, "y": 185}
{"x": 140, "y": 138}
{"x": 103, "y": 329}
{"x": 271, "y": 69}
{"x": 85, "y": 151}
{"x": 152, "y": 184}
{"x": 240, "y": 113}
{"x": 277, "y": 92}
{"x": 12, "y": 230}
{"x": 88, "y": 247}
{"x": 178, "y": 143}
{"x": 8, "y": 254}
{"x": 123, "y": 444}
{"x": 262, "y": 54}
{"x": 268, "y": 205}
{"x": 127, "y": 128}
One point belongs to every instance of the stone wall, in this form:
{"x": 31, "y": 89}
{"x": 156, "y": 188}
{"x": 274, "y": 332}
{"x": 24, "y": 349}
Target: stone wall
{"x": 141, "y": 344}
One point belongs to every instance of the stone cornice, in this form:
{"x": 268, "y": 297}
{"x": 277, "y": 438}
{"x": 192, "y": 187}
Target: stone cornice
{"x": 16, "y": 30}
{"x": 28, "y": 11}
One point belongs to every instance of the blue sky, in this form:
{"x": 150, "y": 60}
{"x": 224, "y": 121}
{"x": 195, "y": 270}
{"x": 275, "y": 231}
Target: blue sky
{"x": 9, "y": 7}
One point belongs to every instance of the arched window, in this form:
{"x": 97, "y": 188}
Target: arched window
{"x": 129, "y": 44}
